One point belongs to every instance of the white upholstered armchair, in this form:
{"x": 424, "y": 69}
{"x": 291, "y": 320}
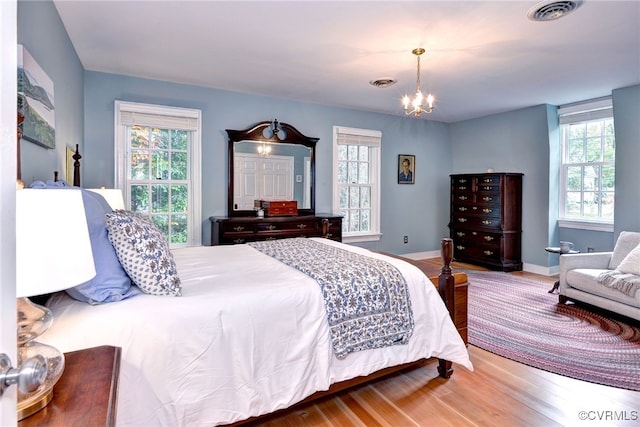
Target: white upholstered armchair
{"x": 583, "y": 277}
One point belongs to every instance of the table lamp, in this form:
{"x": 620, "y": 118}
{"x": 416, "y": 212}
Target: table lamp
{"x": 113, "y": 196}
{"x": 53, "y": 253}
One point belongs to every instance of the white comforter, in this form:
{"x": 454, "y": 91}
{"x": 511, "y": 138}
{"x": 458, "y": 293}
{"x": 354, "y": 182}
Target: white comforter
{"x": 248, "y": 336}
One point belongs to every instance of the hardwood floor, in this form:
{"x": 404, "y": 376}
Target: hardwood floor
{"x": 499, "y": 392}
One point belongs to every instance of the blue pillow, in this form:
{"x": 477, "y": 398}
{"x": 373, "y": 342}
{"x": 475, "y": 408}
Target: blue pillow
{"x": 111, "y": 282}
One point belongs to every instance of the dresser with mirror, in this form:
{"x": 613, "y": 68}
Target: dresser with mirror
{"x": 271, "y": 161}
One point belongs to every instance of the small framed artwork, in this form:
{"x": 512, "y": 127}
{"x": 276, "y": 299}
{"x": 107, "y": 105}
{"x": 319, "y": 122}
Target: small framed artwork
{"x": 406, "y": 169}
{"x": 69, "y": 175}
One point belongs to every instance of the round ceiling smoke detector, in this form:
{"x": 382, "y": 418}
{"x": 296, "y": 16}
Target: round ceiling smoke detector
{"x": 383, "y": 82}
{"x": 553, "y": 9}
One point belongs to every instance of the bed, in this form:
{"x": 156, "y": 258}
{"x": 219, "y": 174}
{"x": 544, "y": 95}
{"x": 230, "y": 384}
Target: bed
{"x": 240, "y": 334}
{"x": 247, "y": 337}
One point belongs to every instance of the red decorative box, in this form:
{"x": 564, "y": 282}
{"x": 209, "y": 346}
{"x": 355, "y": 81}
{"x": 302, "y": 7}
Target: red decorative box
{"x": 280, "y": 207}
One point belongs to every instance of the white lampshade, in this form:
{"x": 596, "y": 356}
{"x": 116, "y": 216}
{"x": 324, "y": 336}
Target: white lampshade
{"x": 53, "y": 250}
{"x": 113, "y": 196}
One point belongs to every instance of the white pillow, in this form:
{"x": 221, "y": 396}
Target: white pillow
{"x": 631, "y": 263}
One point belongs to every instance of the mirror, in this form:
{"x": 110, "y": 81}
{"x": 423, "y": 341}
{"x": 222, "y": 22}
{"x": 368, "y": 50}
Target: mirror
{"x": 270, "y": 161}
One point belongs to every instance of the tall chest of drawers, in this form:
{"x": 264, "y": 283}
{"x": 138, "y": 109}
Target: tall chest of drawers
{"x": 486, "y": 219}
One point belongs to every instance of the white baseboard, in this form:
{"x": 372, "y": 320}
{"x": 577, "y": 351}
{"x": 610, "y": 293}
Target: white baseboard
{"x": 422, "y": 255}
{"x": 554, "y": 270}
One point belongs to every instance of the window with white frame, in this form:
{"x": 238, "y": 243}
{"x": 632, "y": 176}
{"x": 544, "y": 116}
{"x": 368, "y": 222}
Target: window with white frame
{"x": 587, "y": 176}
{"x": 356, "y": 188}
{"x": 157, "y": 152}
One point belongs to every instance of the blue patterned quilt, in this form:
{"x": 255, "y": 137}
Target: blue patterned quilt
{"x": 367, "y": 299}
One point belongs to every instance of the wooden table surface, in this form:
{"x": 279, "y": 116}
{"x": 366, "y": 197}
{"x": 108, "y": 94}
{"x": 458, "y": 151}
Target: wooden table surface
{"x": 86, "y": 394}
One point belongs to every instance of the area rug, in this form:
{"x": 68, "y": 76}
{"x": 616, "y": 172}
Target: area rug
{"x": 517, "y": 318}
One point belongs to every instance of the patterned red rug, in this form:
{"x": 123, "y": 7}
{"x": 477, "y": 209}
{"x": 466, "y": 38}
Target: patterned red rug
{"x": 516, "y": 318}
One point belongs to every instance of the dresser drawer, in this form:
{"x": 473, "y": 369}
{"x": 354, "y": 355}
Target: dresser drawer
{"x": 286, "y": 226}
{"x": 490, "y": 253}
{"x": 461, "y": 181}
{"x": 475, "y": 237}
{"x": 488, "y": 198}
{"x": 488, "y": 180}
{"x": 488, "y": 210}
{"x": 237, "y": 228}
{"x": 335, "y": 230}
{"x": 471, "y": 221}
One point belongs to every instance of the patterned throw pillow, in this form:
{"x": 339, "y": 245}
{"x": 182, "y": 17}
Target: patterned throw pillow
{"x": 143, "y": 252}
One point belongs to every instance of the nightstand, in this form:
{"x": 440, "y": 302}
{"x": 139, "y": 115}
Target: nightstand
{"x": 87, "y": 392}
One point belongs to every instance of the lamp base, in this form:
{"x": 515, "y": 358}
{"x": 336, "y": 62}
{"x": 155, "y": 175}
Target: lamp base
{"x": 33, "y": 320}
{"x": 26, "y": 409}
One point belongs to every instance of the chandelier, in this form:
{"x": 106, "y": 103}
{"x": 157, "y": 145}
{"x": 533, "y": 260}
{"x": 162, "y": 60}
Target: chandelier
{"x": 419, "y": 104}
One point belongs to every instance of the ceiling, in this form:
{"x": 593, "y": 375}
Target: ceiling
{"x": 482, "y": 57}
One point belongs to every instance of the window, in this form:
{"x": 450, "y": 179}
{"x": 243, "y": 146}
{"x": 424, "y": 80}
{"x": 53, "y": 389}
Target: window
{"x": 587, "y": 183}
{"x": 157, "y": 153}
{"x": 356, "y": 190}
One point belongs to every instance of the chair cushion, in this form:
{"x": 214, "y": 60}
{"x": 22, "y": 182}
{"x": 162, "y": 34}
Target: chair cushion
{"x": 586, "y": 279}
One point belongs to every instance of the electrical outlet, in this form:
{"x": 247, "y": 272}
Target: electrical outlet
{"x": 590, "y": 250}
{"x": 406, "y": 239}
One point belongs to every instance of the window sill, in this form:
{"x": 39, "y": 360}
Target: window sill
{"x": 586, "y": 225}
{"x": 358, "y": 238}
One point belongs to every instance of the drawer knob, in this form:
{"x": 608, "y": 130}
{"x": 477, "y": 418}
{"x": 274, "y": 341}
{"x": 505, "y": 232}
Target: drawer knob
{"x": 486, "y": 222}
{"x": 487, "y": 198}
{"x": 462, "y": 197}
{"x": 236, "y": 241}
{"x": 460, "y": 248}
{"x": 488, "y": 238}
{"x": 488, "y": 253}
{"x": 302, "y": 226}
{"x": 462, "y": 209}
{"x": 271, "y": 227}
{"x": 462, "y": 219}
{"x": 487, "y": 180}
{"x": 461, "y": 234}
{"x": 487, "y": 210}
{"x": 238, "y": 228}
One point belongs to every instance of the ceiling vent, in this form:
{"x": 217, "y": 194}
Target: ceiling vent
{"x": 554, "y": 9}
{"x": 383, "y": 82}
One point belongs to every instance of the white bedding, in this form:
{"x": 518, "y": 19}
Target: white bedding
{"x": 247, "y": 337}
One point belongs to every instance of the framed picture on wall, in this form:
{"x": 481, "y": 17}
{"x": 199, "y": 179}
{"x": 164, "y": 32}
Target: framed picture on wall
{"x": 69, "y": 175}
{"x": 35, "y": 101}
{"x": 406, "y": 169}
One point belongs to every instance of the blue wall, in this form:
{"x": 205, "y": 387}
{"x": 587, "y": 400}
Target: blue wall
{"x": 524, "y": 141}
{"x": 626, "y": 116}
{"x": 42, "y": 34}
{"x": 419, "y": 211}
